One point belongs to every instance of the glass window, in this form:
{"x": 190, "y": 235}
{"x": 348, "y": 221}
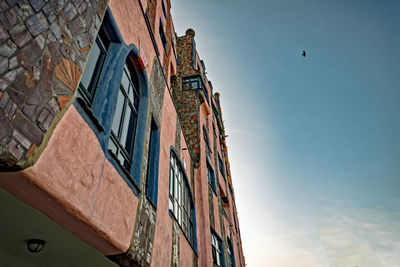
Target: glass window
{"x": 162, "y": 35}
{"x": 180, "y": 199}
{"x": 216, "y": 250}
{"x": 221, "y": 167}
{"x": 211, "y": 177}
{"x": 125, "y": 117}
{"x": 230, "y": 261}
{"x": 152, "y": 165}
{"x": 94, "y": 65}
{"x": 192, "y": 83}
{"x": 163, "y": 9}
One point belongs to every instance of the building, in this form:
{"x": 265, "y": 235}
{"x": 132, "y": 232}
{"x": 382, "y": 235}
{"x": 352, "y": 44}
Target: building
{"x": 112, "y": 143}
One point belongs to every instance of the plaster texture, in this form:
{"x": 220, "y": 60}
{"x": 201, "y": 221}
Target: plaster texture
{"x": 90, "y": 199}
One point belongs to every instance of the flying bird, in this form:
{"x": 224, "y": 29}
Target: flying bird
{"x": 304, "y": 53}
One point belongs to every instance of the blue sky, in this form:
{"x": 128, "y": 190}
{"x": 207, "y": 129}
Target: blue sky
{"x": 314, "y": 142}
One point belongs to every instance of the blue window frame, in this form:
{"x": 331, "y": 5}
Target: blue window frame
{"x": 211, "y": 177}
{"x": 194, "y": 83}
{"x": 113, "y": 100}
{"x": 207, "y": 145}
{"x": 217, "y": 250}
{"x": 221, "y": 167}
{"x": 230, "y": 261}
{"x": 181, "y": 202}
{"x": 152, "y": 169}
{"x": 163, "y": 9}
{"x": 162, "y": 36}
{"x": 94, "y": 66}
{"x": 125, "y": 117}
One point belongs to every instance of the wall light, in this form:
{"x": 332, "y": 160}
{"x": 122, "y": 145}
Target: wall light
{"x": 35, "y": 245}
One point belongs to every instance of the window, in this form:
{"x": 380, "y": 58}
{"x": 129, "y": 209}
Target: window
{"x": 230, "y": 261}
{"x": 192, "y": 83}
{"x": 217, "y": 249}
{"x": 152, "y": 166}
{"x": 202, "y": 64}
{"x": 221, "y": 167}
{"x": 163, "y": 9}
{"x": 207, "y": 146}
{"x": 211, "y": 177}
{"x": 113, "y": 96}
{"x": 94, "y": 66}
{"x": 180, "y": 199}
{"x": 125, "y": 117}
{"x": 162, "y": 35}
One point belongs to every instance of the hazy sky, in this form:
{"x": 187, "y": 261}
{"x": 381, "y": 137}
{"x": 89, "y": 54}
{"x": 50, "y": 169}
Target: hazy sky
{"x": 314, "y": 142}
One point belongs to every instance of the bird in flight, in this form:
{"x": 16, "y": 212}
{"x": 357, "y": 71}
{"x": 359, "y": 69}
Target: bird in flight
{"x": 304, "y": 53}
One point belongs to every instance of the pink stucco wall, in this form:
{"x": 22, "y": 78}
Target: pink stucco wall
{"x": 162, "y": 245}
{"x": 79, "y": 190}
{"x": 133, "y": 30}
{"x": 185, "y": 251}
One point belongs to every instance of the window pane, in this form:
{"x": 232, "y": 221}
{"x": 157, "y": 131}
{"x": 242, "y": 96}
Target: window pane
{"x": 127, "y": 164}
{"x": 128, "y": 129}
{"x": 171, "y": 183}
{"x": 125, "y": 81}
{"x": 176, "y": 187}
{"x": 131, "y": 95}
{"x": 91, "y": 65}
{"x": 118, "y": 112}
{"x": 176, "y": 208}
{"x": 112, "y": 146}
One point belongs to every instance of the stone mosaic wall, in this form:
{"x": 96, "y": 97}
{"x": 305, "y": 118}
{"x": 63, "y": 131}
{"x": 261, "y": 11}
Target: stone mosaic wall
{"x": 187, "y": 104}
{"x": 44, "y": 45}
{"x": 175, "y": 244}
{"x": 140, "y": 252}
{"x": 156, "y": 89}
{"x": 187, "y": 101}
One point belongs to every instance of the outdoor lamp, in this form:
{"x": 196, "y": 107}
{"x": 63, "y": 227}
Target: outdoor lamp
{"x": 35, "y": 245}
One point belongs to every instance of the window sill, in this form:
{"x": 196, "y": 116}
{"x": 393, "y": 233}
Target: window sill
{"x": 89, "y": 113}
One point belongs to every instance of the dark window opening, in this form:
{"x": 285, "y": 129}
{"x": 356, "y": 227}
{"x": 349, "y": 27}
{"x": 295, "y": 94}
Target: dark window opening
{"x": 194, "y": 83}
{"x": 163, "y": 9}
{"x": 221, "y": 167}
{"x": 162, "y": 36}
{"x": 211, "y": 177}
{"x": 152, "y": 166}
{"x": 207, "y": 146}
{"x": 94, "y": 66}
{"x": 231, "y": 257}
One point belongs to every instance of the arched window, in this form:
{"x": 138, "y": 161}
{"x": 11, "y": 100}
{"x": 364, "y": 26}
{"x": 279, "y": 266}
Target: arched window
{"x": 125, "y": 117}
{"x": 113, "y": 99}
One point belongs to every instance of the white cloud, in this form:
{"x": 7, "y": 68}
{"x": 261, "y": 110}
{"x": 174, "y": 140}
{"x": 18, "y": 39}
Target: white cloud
{"x": 367, "y": 237}
{"x": 341, "y": 235}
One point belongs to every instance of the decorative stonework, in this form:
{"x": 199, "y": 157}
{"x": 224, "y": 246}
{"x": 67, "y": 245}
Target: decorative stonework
{"x": 211, "y": 206}
{"x": 44, "y": 45}
{"x": 157, "y": 88}
{"x": 68, "y": 73}
{"x": 175, "y": 244}
{"x": 177, "y": 145}
{"x": 187, "y": 104}
{"x": 140, "y": 252}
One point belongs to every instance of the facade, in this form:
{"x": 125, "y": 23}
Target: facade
{"x": 112, "y": 143}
